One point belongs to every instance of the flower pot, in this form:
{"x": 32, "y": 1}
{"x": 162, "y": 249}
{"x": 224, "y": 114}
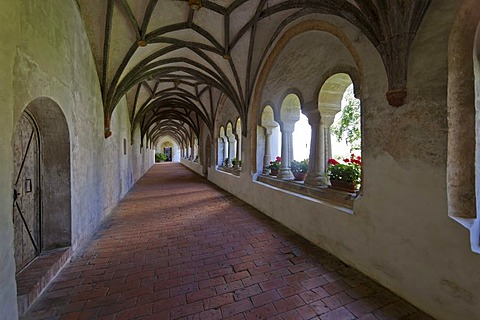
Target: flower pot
{"x": 273, "y": 172}
{"x": 343, "y": 185}
{"x": 299, "y": 176}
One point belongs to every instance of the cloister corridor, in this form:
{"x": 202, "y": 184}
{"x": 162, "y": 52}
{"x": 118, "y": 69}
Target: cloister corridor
{"x": 178, "y": 247}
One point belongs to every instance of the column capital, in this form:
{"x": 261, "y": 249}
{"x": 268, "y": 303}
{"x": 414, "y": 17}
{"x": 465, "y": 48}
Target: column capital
{"x": 287, "y": 127}
{"x": 268, "y": 129}
{"x": 314, "y": 118}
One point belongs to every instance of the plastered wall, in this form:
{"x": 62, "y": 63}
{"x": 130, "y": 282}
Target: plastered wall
{"x": 399, "y": 232}
{"x": 45, "y": 53}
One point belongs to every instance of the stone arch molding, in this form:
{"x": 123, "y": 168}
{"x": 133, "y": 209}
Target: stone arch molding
{"x": 356, "y": 73}
{"x": 463, "y": 170}
{"x": 55, "y": 173}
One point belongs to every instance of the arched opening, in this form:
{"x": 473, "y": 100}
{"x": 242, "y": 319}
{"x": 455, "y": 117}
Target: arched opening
{"x": 268, "y": 137}
{"x": 168, "y": 149}
{"x": 42, "y": 188}
{"x": 222, "y": 147}
{"x": 301, "y": 138}
{"x": 340, "y": 118}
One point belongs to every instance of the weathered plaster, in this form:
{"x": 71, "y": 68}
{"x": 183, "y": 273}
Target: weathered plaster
{"x": 47, "y": 54}
{"x": 9, "y": 29}
{"x": 400, "y": 232}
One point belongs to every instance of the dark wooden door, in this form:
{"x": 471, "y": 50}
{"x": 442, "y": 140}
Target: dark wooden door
{"x": 26, "y": 202}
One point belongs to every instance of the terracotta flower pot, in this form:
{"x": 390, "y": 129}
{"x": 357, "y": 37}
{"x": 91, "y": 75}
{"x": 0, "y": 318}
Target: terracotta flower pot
{"x": 273, "y": 172}
{"x": 343, "y": 185}
{"x": 299, "y": 176}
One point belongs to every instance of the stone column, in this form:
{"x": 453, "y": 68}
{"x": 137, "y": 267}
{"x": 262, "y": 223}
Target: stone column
{"x": 326, "y": 122}
{"x": 231, "y": 149}
{"x": 287, "y": 151}
{"x": 219, "y": 152}
{"x": 238, "y": 151}
{"x": 316, "y": 171}
{"x": 225, "y": 150}
{"x": 267, "y": 155}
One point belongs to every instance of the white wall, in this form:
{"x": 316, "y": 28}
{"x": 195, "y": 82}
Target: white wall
{"x": 399, "y": 232}
{"x": 46, "y": 53}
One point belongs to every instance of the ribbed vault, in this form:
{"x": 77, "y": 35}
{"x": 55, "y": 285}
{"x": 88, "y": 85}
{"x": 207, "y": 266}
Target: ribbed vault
{"x": 176, "y": 60}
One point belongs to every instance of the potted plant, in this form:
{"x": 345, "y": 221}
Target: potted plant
{"x": 160, "y": 157}
{"x": 275, "y": 166}
{"x": 235, "y": 161}
{"x": 299, "y": 169}
{"x": 345, "y": 176}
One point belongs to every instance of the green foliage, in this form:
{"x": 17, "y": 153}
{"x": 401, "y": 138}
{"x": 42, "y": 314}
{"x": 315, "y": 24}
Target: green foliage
{"x": 160, "y": 157}
{"x": 275, "y": 164}
{"x": 299, "y": 166}
{"x": 234, "y": 162}
{"x": 347, "y": 127}
{"x": 349, "y": 171}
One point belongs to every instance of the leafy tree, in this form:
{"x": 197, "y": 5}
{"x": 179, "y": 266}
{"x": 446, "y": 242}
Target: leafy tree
{"x": 347, "y": 126}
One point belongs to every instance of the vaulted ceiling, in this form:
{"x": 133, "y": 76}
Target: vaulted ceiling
{"x": 175, "y": 60}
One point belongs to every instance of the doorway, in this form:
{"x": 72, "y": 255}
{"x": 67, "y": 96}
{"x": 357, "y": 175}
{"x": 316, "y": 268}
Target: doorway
{"x": 168, "y": 152}
{"x": 26, "y": 214}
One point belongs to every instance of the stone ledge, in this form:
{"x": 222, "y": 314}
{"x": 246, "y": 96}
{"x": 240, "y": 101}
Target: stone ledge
{"x": 336, "y": 197}
{"x": 34, "y": 278}
{"x": 230, "y": 170}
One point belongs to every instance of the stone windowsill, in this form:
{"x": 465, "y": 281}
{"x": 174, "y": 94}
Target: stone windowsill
{"x": 230, "y": 170}
{"x": 336, "y": 197}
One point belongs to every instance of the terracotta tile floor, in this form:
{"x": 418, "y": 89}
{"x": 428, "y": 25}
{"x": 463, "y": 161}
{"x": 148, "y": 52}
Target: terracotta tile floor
{"x": 177, "y": 247}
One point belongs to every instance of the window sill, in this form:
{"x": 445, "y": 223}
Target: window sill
{"x": 335, "y": 197}
{"x": 231, "y": 170}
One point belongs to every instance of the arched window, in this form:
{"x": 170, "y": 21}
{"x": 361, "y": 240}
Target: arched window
{"x": 301, "y": 138}
{"x": 271, "y": 138}
{"x": 222, "y": 147}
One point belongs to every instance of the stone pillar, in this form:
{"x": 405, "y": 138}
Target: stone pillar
{"x": 316, "y": 171}
{"x": 220, "y": 152}
{"x": 231, "y": 149}
{"x": 267, "y": 155}
{"x": 326, "y": 122}
{"x": 238, "y": 151}
{"x": 225, "y": 150}
{"x": 287, "y": 151}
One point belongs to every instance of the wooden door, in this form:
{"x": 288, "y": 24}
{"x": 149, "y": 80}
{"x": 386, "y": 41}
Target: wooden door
{"x": 26, "y": 202}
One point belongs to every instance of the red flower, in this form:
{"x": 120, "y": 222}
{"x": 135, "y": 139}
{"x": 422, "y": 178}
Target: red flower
{"x": 332, "y": 161}
{"x": 346, "y": 160}
{"x": 279, "y": 159}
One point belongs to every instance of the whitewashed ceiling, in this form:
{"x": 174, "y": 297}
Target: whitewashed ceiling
{"x": 175, "y": 59}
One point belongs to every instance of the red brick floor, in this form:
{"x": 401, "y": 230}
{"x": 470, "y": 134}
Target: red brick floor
{"x": 177, "y": 247}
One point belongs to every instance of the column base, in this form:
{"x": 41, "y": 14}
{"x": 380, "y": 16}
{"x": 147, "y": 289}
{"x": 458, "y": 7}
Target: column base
{"x": 285, "y": 174}
{"x": 316, "y": 179}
